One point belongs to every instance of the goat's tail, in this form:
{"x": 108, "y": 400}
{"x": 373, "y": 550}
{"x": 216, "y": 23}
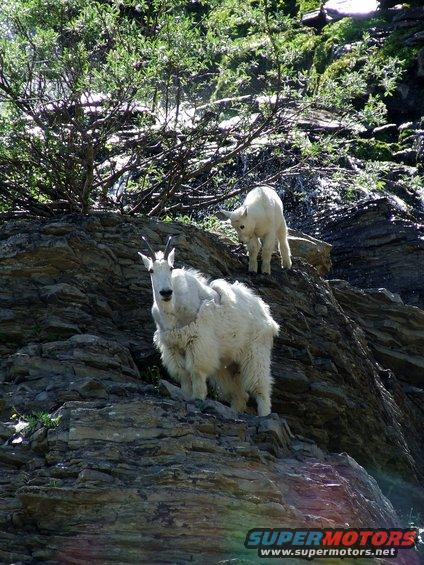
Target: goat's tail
{"x": 275, "y": 328}
{"x": 225, "y": 291}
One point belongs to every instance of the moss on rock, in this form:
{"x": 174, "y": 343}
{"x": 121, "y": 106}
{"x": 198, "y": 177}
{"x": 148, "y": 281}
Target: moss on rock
{"x": 374, "y": 149}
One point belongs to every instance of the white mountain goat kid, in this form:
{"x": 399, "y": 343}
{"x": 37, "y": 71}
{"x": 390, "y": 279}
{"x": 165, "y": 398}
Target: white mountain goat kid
{"x": 261, "y": 217}
{"x": 217, "y": 331}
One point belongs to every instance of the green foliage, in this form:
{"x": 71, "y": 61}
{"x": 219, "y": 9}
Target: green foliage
{"x": 74, "y": 75}
{"x": 374, "y": 112}
{"x": 405, "y": 134}
{"x": 348, "y": 30}
{"x": 215, "y": 225}
{"x": 36, "y": 419}
{"x": 307, "y": 5}
{"x": 357, "y": 75}
{"x": 322, "y": 56}
{"x": 395, "y": 46}
{"x": 415, "y": 183}
{"x": 372, "y": 177}
{"x": 151, "y": 375}
{"x": 298, "y": 47}
{"x": 209, "y": 223}
{"x": 134, "y": 105}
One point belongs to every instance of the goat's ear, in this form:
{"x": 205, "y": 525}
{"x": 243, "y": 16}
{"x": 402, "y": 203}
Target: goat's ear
{"x": 171, "y": 257}
{"x": 224, "y": 214}
{"x": 244, "y": 212}
{"x": 148, "y": 263}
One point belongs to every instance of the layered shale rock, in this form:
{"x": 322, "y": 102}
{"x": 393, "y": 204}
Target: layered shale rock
{"x": 395, "y": 334}
{"x": 152, "y": 480}
{"x": 377, "y": 243}
{"x": 394, "y": 330}
{"x": 131, "y": 463}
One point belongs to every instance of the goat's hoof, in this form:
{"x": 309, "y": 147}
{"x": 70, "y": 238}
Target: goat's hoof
{"x": 198, "y": 402}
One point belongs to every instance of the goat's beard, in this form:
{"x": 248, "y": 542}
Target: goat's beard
{"x": 166, "y": 306}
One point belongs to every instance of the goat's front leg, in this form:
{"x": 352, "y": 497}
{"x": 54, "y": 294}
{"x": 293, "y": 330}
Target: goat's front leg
{"x": 268, "y": 246}
{"x": 253, "y": 248}
{"x": 202, "y": 361}
{"x": 175, "y": 363}
{"x": 200, "y": 388}
{"x": 186, "y": 386}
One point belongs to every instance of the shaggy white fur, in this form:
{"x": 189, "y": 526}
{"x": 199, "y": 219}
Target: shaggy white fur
{"x": 229, "y": 342}
{"x": 217, "y": 331}
{"x": 260, "y": 220}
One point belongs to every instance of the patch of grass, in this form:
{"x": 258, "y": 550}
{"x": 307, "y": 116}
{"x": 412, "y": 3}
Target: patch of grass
{"x": 322, "y": 56}
{"x": 35, "y": 418}
{"x": 209, "y": 223}
{"x": 405, "y": 134}
{"x": 339, "y": 67}
{"x": 151, "y": 375}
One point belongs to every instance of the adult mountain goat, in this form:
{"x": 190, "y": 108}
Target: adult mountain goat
{"x": 260, "y": 220}
{"x": 211, "y": 331}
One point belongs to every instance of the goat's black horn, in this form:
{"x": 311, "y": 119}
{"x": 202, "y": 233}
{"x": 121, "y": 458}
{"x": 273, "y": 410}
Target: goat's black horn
{"x": 167, "y": 247}
{"x": 149, "y": 248}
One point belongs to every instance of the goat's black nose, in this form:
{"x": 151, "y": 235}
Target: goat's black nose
{"x": 166, "y": 293}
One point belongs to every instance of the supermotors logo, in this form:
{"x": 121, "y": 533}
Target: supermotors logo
{"x": 312, "y": 544}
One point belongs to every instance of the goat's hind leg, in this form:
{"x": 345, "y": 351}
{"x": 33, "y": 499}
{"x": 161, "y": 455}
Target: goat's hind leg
{"x": 283, "y": 246}
{"x": 230, "y": 383}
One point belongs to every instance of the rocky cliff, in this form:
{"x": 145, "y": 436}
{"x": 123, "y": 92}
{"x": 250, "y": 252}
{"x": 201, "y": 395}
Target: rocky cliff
{"x": 122, "y": 466}
{"x": 378, "y": 243}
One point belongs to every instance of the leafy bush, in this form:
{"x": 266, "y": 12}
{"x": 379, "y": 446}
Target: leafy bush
{"x": 97, "y": 98}
{"x": 308, "y": 5}
{"x": 142, "y": 106}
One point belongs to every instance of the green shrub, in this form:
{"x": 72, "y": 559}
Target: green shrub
{"x": 305, "y": 6}
{"x": 38, "y": 418}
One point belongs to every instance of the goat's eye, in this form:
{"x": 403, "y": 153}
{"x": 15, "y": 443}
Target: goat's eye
{"x": 241, "y": 227}
{"x": 150, "y": 270}
{"x": 171, "y": 268}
